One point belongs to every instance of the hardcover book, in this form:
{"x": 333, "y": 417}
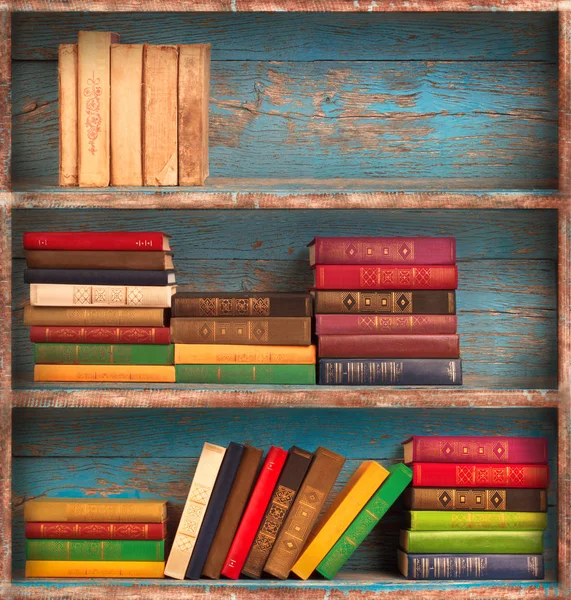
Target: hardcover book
{"x": 385, "y": 324}
{"x": 95, "y": 569}
{"x": 47, "y": 316}
{"x": 103, "y": 354}
{"x": 96, "y": 531}
{"x": 67, "y": 87}
{"x": 134, "y": 241}
{"x": 435, "y": 520}
{"x": 105, "y": 335}
{"x": 99, "y": 277}
{"x": 99, "y": 259}
{"x": 220, "y": 354}
{"x": 95, "y": 550}
{"x": 260, "y": 374}
{"x": 112, "y": 373}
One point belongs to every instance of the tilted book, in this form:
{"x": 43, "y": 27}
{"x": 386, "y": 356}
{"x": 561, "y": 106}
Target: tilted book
{"x": 385, "y": 324}
{"x": 220, "y": 354}
{"x": 94, "y": 316}
{"x": 112, "y": 373}
{"x": 260, "y": 374}
{"x": 99, "y": 259}
{"x": 99, "y": 277}
{"x": 103, "y": 354}
{"x": 136, "y": 241}
{"x": 101, "y": 335}
{"x": 95, "y": 550}
{"x": 67, "y": 87}
{"x": 95, "y": 569}
{"x": 436, "y": 520}
{"x": 96, "y": 531}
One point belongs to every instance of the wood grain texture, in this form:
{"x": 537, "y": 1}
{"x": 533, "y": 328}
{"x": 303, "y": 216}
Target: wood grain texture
{"x": 5, "y": 99}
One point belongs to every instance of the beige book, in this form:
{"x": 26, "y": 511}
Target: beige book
{"x": 67, "y": 83}
{"x": 126, "y": 114}
{"x": 193, "y": 102}
{"x": 160, "y": 145}
{"x": 194, "y": 510}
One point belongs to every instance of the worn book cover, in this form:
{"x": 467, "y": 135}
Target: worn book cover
{"x": 385, "y": 324}
{"x": 95, "y": 550}
{"x": 104, "y": 354}
{"x": 258, "y": 374}
{"x": 97, "y": 259}
{"x": 96, "y": 531}
{"x": 136, "y": 241}
{"x": 99, "y": 277}
{"x": 221, "y": 354}
{"x": 67, "y": 87}
{"x": 46, "y": 316}
{"x": 112, "y": 373}
{"x": 436, "y": 520}
{"x": 95, "y": 568}
{"x": 100, "y": 335}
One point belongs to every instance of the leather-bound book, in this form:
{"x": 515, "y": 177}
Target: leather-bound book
{"x": 294, "y": 471}
{"x": 95, "y": 259}
{"x": 99, "y": 277}
{"x": 258, "y": 374}
{"x": 111, "y": 373}
{"x": 220, "y": 354}
{"x": 149, "y": 550}
{"x": 475, "y": 520}
{"x": 136, "y": 241}
{"x": 67, "y": 86}
{"x": 385, "y": 324}
{"x": 95, "y": 568}
{"x": 96, "y": 531}
{"x": 104, "y": 354}
{"x": 101, "y": 335}
{"x": 92, "y": 316}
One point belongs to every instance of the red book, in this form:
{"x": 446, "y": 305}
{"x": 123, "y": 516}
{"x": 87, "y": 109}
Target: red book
{"x": 477, "y": 476}
{"x": 366, "y": 277}
{"x": 101, "y": 335}
{"x": 254, "y": 513}
{"x": 146, "y": 241}
{"x": 96, "y": 531}
{"x": 389, "y": 346}
{"x": 382, "y": 251}
{"x": 385, "y": 324}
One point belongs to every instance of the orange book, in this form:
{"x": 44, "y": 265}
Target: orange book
{"x": 114, "y": 373}
{"x": 94, "y": 568}
{"x": 218, "y": 354}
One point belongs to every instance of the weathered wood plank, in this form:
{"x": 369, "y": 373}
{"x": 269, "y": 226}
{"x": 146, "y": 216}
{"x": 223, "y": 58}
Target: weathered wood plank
{"x": 5, "y": 100}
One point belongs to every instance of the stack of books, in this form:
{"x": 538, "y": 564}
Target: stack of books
{"x": 98, "y": 305}
{"x": 386, "y": 310}
{"x": 243, "y": 338}
{"x": 477, "y": 508}
{"x": 101, "y": 537}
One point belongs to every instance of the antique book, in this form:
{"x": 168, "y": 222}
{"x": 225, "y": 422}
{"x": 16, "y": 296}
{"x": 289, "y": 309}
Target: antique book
{"x": 99, "y": 259}
{"x": 114, "y": 373}
{"x": 471, "y": 566}
{"x": 233, "y": 510}
{"x": 364, "y": 482}
{"x": 96, "y": 531}
{"x": 99, "y": 277}
{"x": 194, "y": 510}
{"x": 94, "y": 106}
{"x": 95, "y": 550}
{"x": 226, "y": 475}
{"x": 67, "y": 87}
{"x": 242, "y": 304}
{"x": 95, "y": 510}
{"x": 389, "y": 346}
{"x": 94, "y": 568}
{"x": 363, "y": 277}
{"x": 274, "y": 331}
{"x": 399, "y": 477}
{"x": 160, "y": 85}
{"x": 260, "y": 374}
{"x": 126, "y": 114}
{"x": 193, "y": 104}
{"x": 436, "y": 520}
{"x": 136, "y": 241}
{"x": 220, "y": 354}
{"x": 476, "y": 449}
{"x": 321, "y": 476}
{"x": 94, "y": 316}
{"x": 104, "y": 354}
{"x": 418, "y": 302}
{"x": 382, "y": 251}
{"x": 385, "y": 324}
{"x": 409, "y": 371}
{"x": 101, "y": 335}
{"x": 292, "y": 475}
{"x": 254, "y": 512}
{"x": 522, "y": 500}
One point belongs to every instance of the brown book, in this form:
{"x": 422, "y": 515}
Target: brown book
{"x": 47, "y": 316}
{"x": 193, "y": 101}
{"x": 67, "y": 84}
{"x": 279, "y": 331}
{"x": 99, "y": 259}
{"x": 160, "y": 146}
{"x": 322, "y": 474}
{"x": 288, "y": 484}
{"x": 237, "y": 499}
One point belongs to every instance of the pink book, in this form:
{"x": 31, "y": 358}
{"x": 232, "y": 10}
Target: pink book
{"x": 476, "y": 449}
{"x": 385, "y": 324}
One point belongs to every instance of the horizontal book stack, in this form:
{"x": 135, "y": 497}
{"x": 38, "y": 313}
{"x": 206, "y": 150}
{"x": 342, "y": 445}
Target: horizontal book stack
{"x": 477, "y": 508}
{"x": 99, "y": 305}
{"x": 101, "y": 537}
{"x": 243, "y": 338}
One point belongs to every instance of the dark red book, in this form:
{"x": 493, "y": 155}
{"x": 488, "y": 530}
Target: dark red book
{"x": 385, "y": 324}
{"x": 96, "y": 531}
{"x": 389, "y": 346}
{"x": 473, "y": 476}
{"x": 145, "y": 241}
{"x": 101, "y": 335}
{"x": 254, "y": 512}
{"x": 369, "y": 277}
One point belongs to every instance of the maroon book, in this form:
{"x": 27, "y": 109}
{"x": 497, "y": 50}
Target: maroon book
{"x": 384, "y": 324}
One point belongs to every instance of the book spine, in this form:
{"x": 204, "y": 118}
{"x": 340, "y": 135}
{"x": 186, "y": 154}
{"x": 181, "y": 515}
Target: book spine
{"x": 213, "y": 354}
{"x": 67, "y": 85}
{"x": 259, "y": 374}
{"x": 93, "y": 569}
{"x": 385, "y": 324}
{"x": 160, "y": 146}
{"x": 96, "y": 531}
{"x": 96, "y": 259}
{"x": 428, "y": 520}
{"x": 113, "y": 373}
{"x": 242, "y": 305}
{"x": 97, "y": 277}
{"x": 429, "y": 371}
{"x": 94, "y": 335}
{"x": 193, "y": 103}
{"x": 134, "y": 241}
{"x": 85, "y": 511}
{"x": 116, "y": 317}
{"x": 95, "y": 550}
{"x": 103, "y": 354}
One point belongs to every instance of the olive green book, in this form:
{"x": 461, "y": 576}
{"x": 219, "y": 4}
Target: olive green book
{"x": 125, "y": 550}
{"x": 104, "y": 354}
{"x": 261, "y": 374}
{"x": 479, "y": 520}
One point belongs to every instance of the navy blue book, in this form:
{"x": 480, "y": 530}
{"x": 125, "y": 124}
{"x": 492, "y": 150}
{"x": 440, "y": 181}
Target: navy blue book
{"x": 390, "y": 371}
{"x": 99, "y": 277}
{"x": 471, "y": 566}
{"x": 220, "y": 492}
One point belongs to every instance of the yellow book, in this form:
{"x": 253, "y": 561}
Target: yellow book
{"x": 363, "y": 484}
{"x": 94, "y": 568}
{"x": 219, "y": 354}
{"x": 113, "y": 373}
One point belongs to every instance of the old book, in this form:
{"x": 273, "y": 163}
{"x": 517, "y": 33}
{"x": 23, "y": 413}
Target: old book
{"x": 100, "y": 335}
{"x": 96, "y": 259}
{"x": 382, "y": 251}
{"x": 126, "y": 114}
{"x": 94, "y": 105}
{"x": 95, "y": 510}
{"x": 220, "y": 354}
{"x": 94, "y": 316}
{"x": 193, "y": 102}
{"x": 291, "y": 477}
{"x": 104, "y": 354}
{"x": 136, "y": 241}
{"x": 160, "y": 146}
{"x": 436, "y": 520}
{"x": 522, "y": 500}
{"x": 67, "y": 87}
{"x": 321, "y": 476}
{"x": 93, "y": 568}
{"x": 112, "y": 373}
{"x": 233, "y": 510}
{"x": 95, "y": 550}
{"x": 194, "y": 510}
{"x": 274, "y": 331}
{"x": 254, "y": 512}
{"x": 418, "y": 302}
{"x": 399, "y": 477}
{"x": 259, "y": 374}
{"x": 476, "y": 449}
{"x": 385, "y": 324}
{"x": 364, "y": 482}
{"x": 99, "y": 277}
{"x": 96, "y": 531}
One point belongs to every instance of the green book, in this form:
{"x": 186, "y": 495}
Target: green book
{"x": 270, "y": 374}
{"x": 395, "y": 484}
{"x": 104, "y": 354}
{"x": 95, "y": 550}
{"x": 471, "y": 542}
{"x": 476, "y": 520}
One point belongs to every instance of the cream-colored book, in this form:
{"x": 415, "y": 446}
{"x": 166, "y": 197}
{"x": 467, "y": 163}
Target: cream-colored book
{"x": 194, "y": 510}
{"x": 54, "y": 294}
{"x": 160, "y": 136}
{"x": 67, "y": 84}
{"x": 126, "y": 114}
